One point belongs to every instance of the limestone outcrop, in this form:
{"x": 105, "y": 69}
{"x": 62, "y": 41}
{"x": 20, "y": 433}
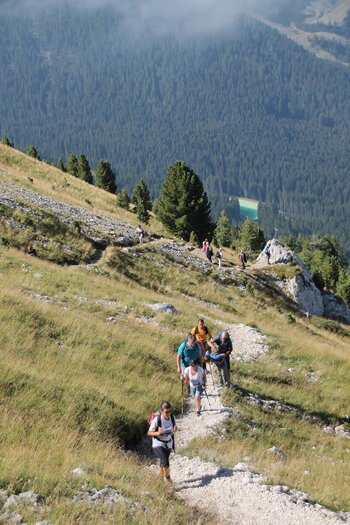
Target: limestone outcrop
{"x": 303, "y": 291}
{"x": 301, "y": 287}
{"x": 335, "y": 308}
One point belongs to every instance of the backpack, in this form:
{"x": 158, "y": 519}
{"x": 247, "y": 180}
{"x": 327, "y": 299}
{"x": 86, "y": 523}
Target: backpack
{"x": 157, "y": 414}
{"x": 184, "y": 361}
{"x": 196, "y": 330}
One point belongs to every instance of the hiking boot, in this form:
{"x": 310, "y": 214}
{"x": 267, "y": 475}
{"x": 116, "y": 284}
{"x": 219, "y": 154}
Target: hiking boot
{"x": 168, "y": 479}
{"x": 198, "y": 412}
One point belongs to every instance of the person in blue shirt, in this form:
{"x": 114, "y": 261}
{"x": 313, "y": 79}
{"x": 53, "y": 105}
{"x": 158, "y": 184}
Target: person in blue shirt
{"x": 188, "y": 350}
{"x": 219, "y": 361}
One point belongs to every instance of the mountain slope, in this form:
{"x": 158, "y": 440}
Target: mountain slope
{"x": 253, "y": 114}
{"x": 84, "y": 359}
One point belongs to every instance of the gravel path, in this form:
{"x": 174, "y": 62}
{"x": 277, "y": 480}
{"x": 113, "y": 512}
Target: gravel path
{"x": 236, "y": 495}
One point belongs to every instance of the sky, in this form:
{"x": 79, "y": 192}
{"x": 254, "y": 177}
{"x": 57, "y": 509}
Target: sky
{"x": 177, "y": 17}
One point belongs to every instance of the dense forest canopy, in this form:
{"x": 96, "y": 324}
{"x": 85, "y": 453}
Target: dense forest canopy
{"x": 253, "y": 114}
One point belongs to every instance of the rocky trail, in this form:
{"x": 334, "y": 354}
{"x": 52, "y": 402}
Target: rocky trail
{"x": 236, "y": 495}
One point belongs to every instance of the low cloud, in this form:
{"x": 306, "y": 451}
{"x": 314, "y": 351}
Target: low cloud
{"x": 180, "y": 18}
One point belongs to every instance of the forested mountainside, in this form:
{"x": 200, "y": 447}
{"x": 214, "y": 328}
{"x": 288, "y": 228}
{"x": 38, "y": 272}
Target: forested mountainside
{"x": 322, "y": 28}
{"x": 252, "y": 113}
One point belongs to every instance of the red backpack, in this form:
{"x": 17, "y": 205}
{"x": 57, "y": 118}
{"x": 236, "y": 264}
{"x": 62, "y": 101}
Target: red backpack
{"x": 157, "y": 414}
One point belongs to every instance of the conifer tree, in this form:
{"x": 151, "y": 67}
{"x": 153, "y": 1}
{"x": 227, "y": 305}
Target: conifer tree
{"x": 330, "y": 273}
{"x": 223, "y": 230}
{"x": 105, "y": 177}
{"x": 123, "y": 199}
{"x": 194, "y": 239}
{"x": 252, "y": 236}
{"x": 60, "y": 165}
{"x": 343, "y": 286}
{"x": 142, "y": 201}
{"x": 183, "y": 204}
{"x": 72, "y": 164}
{"x": 5, "y": 141}
{"x": 84, "y": 170}
{"x": 33, "y": 152}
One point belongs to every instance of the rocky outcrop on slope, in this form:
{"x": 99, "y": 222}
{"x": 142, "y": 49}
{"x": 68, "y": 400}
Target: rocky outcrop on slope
{"x": 98, "y": 228}
{"x": 304, "y": 292}
{"x": 275, "y": 253}
{"x": 335, "y": 308}
{"x": 301, "y": 287}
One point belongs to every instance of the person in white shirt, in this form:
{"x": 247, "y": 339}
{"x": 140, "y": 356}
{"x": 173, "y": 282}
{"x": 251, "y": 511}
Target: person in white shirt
{"x": 162, "y": 430}
{"x": 140, "y": 233}
{"x": 194, "y": 376}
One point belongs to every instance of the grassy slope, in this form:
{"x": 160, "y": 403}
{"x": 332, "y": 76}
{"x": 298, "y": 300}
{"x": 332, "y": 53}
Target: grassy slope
{"x": 73, "y": 386}
{"x": 19, "y": 168}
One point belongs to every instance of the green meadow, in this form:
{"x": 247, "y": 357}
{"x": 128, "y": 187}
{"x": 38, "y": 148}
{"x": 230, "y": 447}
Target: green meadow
{"x": 77, "y": 389}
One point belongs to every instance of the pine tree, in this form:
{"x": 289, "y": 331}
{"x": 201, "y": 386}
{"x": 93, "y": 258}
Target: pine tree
{"x": 142, "y": 201}
{"x": 223, "y": 231}
{"x": 5, "y": 141}
{"x": 105, "y": 177}
{"x": 60, "y": 165}
{"x": 72, "y": 164}
{"x": 123, "y": 199}
{"x": 84, "y": 170}
{"x": 330, "y": 272}
{"x": 32, "y": 152}
{"x": 183, "y": 204}
{"x": 194, "y": 239}
{"x": 252, "y": 236}
{"x": 343, "y": 286}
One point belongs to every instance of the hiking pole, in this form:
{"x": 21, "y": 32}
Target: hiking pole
{"x": 182, "y": 396}
{"x": 212, "y": 378}
{"x": 211, "y": 373}
{"x": 206, "y": 393}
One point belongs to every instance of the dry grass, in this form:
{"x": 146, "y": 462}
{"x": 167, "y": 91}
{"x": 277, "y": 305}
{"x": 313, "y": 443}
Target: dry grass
{"x": 38, "y": 176}
{"x": 74, "y": 386}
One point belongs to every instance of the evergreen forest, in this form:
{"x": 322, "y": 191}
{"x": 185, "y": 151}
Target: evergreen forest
{"x": 249, "y": 111}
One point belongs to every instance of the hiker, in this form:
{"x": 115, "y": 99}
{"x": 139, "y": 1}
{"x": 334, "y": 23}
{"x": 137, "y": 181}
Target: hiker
{"x": 219, "y": 257}
{"x": 242, "y": 258}
{"x": 209, "y": 252}
{"x": 188, "y": 350}
{"x": 203, "y": 333}
{"x": 195, "y": 377}
{"x": 140, "y": 233}
{"x": 219, "y": 361}
{"x": 266, "y": 251}
{"x": 223, "y": 343}
{"x": 31, "y": 251}
{"x": 161, "y": 430}
{"x": 204, "y": 245}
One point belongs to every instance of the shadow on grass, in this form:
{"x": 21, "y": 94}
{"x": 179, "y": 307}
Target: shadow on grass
{"x": 317, "y": 417}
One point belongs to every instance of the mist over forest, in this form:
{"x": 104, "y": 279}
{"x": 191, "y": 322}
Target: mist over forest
{"x": 143, "y": 84}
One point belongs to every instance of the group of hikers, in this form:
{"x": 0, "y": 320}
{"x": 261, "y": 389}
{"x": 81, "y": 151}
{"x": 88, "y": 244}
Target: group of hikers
{"x": 206, "y": 248}
{"x": 194, "y": 359}
{"x": 209, "y": 253}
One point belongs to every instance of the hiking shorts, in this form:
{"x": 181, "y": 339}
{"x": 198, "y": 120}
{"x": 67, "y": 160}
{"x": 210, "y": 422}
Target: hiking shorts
{"x": 163, "y": 455}
{"x": 197, "y": 391}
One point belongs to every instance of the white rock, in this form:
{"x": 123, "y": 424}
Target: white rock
{"x": 163, "y": 307}
{"x": 78, "y": 471}
{"x": 277, "y": 452}
{"x": 341, "y": 432}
